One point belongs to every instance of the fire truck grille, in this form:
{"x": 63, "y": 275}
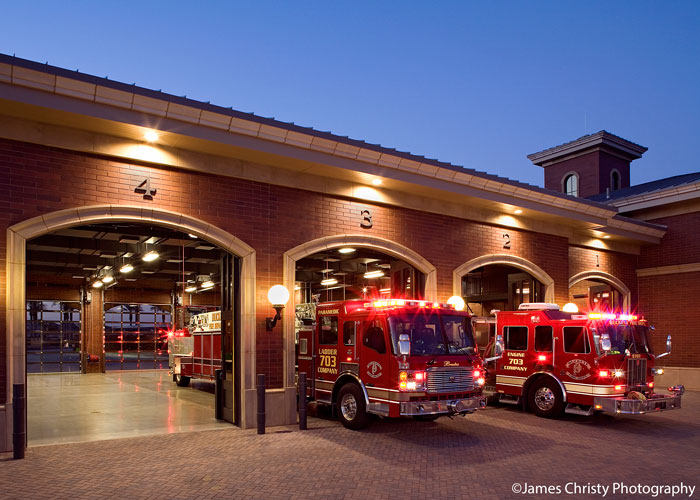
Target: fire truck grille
{"x": 450, "y": 380}
{"x": 636, "y": 372}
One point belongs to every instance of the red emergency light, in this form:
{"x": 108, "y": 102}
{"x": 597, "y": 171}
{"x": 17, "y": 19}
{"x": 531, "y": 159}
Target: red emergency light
{"x": 612, "y": 317}
{"x": 383, "y": 304}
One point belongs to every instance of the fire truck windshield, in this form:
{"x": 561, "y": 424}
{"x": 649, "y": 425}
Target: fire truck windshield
{"x": 626, "y": 338}
{"x": 433, "y": 334}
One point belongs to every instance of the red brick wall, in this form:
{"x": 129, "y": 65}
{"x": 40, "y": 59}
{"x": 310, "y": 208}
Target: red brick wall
{"x": 672, "y": 298}
{"x": 671, "y": 305}
{"x": 272, "y": 219}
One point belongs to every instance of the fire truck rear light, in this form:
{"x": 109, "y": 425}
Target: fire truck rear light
{"x": 541, "y": 357}
{"x": 476, "y": 374}
{"x": 603, "y": 373}
{"x": 480, "y": 381}
{"x": 618, "y": 387}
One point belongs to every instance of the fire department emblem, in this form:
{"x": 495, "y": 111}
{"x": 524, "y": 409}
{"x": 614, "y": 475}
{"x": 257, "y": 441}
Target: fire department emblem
{"x": 577, "y": 369}
{"x": 374, "y": 369}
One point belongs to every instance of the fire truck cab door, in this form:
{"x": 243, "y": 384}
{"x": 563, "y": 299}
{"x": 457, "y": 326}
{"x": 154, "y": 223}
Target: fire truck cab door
{"x": 574, "y": 354}
{"x": 373, "y": 353}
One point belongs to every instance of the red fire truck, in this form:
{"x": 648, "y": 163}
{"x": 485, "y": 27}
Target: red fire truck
{"x": 391, "y": 358}
{"x": 552, "y": 361}
{"x": 195, "y": 351}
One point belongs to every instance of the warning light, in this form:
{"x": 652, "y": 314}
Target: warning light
{"x": 541, "y": 357}
{"x": 419, "y": 376}
{"x": 618, "y": 387}
{"x": 349, "y": 358}
{"x": 651, "y": 385}
{"x": 403, "y": 376}
{"x": 598, "y": 407}
{"x": 603, "y": 373}
{"x": 480, "y": 381}
{"x": 477, "y": 373}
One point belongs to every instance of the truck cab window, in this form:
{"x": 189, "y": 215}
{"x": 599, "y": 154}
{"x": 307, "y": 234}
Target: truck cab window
{"x": 328, "y": 330}
{"x": 516, "y": 338}
{"x": 349, "y": 333}
{"x": 374, "y": 337}
{"x": 576, "y": 340}
{"x": 543, "y": 338}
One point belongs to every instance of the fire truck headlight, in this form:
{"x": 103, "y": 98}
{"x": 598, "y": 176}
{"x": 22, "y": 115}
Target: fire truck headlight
{"x": 618, "y": 373}
{"x": 411, "y": 386}
{"x": 657, "y": 371}
{"x": 480, "y": 381}
{"x": 476, "y": 374}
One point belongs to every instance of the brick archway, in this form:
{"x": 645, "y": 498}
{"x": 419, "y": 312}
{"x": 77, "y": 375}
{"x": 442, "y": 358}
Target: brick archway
{"x": 18, "y": 235}
{"x": 606, "y": 278}
{"x": 330, "y": 242}
{"x": 510, "y": 260}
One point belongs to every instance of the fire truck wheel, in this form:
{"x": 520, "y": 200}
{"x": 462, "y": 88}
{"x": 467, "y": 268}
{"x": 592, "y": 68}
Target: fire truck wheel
{"x": 182, "y": 381}
{"x": 545, "y": 398}
{"x": 351, "y": 407}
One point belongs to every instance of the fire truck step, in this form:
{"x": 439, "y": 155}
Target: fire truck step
{"x": 509, "y": 399}
{"x": 577, "y": 410}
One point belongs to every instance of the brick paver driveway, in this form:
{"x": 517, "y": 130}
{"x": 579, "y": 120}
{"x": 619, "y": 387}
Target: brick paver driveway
{"x": 480, "y": 456}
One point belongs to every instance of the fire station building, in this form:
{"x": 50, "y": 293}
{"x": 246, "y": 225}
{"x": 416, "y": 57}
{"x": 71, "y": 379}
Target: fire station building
{"x": 126, "y": 210}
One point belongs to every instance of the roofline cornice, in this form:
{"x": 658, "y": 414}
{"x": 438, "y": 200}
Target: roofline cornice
{"x": 590, "y": 142}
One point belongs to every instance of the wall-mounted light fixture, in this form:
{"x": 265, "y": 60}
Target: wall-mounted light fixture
{"x": 126, "y": 268}
{"x": 374, "y": 274}
{"x": 151, "y": 136}
{"x": 278, "y": 296}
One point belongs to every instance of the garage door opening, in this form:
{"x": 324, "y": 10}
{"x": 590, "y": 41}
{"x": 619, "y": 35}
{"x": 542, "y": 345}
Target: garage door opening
{"x": 102, "y": 303}
{"x": 499, "y": 287}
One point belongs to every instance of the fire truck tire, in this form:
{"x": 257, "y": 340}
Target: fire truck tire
{"x": 545, "y": 398}
{"x": 182, "y": 381}
{"x": 352, "y": 411}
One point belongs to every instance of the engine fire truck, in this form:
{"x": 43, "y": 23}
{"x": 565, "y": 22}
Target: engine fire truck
{"x": 195, "y": 351}
{"x": 391, "y": 358}
{"x": 552, "y": 361}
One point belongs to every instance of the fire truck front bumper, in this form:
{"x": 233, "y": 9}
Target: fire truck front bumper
{"x": 443, "y": 407}
{"x": 634, "y": 406}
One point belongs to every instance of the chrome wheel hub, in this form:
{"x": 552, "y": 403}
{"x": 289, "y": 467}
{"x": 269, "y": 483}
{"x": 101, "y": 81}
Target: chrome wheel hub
{"x": 348, "y": 407}
{"x": 544, "y": 398}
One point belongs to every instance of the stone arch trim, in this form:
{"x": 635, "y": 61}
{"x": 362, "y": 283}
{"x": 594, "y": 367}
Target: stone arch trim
{"x": 607, "y": 278}
{"x": 18, "y": 234}
{"x": 341, "y": 240}
{"x": 505, "y": 259}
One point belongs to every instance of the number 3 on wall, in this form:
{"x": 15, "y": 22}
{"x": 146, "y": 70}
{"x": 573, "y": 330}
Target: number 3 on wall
{"x": 366, "y": 221}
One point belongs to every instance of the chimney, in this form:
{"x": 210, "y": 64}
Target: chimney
{"x": 588, "y": 166}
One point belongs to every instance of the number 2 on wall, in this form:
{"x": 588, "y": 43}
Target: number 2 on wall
{"x": 506, "y": 241}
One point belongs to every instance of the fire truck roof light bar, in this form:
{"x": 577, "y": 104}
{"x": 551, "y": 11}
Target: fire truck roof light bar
{"x": 610, "y": 316}
{"x": 407, "y": 303}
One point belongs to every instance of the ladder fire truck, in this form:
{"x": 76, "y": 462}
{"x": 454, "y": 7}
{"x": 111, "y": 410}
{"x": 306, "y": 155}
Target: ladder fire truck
{"x": 391, "y": 358}
{"x": 552, "y": 361}
{"x": 195, "y": 351}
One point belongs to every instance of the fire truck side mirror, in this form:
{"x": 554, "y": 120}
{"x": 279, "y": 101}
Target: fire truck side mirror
{"x": 668, "y": 348}
{"x": 605, "y": 344}
{"x": 404, "y": 345}
{"x": 499, "y": 347}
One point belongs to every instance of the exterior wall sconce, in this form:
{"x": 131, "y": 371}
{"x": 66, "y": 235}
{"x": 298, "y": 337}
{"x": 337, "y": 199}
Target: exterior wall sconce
{"x": 278, "y": 296}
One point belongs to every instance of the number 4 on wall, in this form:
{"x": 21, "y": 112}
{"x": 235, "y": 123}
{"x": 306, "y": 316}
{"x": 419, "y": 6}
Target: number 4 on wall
{"x": 145, "y": 189}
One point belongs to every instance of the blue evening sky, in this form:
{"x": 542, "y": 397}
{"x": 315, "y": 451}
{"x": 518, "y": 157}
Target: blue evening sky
{"x": 478, "y": 84}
